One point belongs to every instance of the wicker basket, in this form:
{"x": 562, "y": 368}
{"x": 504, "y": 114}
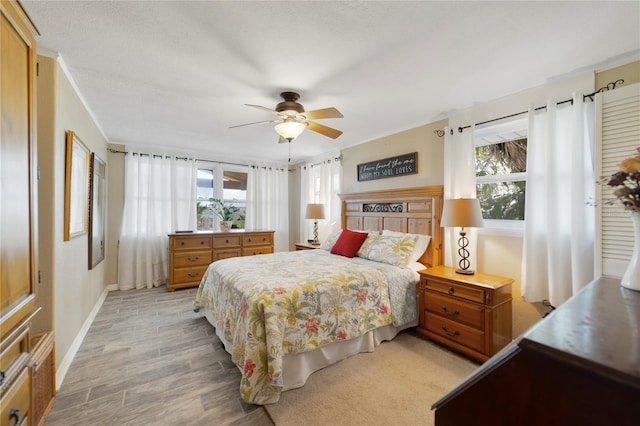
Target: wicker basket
{"x": 44, "y": 376}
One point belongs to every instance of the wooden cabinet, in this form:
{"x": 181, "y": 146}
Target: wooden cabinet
{"x": 18, "y": 211}
{"x": 306, "y": 246}
{"x": 577, "y": 366}
{"x": 191, "y": 254}
{"x": 468, "y": 313}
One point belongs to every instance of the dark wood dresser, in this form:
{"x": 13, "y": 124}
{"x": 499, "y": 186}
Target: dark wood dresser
{"x": 578, "y": 366}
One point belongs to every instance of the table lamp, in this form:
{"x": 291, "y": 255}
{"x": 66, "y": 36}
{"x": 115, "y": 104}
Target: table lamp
{"x": 315, "y": 212}
{"x": 462, "y": 212}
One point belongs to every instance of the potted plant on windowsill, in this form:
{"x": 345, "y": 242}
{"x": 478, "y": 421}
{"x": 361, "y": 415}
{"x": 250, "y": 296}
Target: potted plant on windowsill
{"x": 225, "y": 213}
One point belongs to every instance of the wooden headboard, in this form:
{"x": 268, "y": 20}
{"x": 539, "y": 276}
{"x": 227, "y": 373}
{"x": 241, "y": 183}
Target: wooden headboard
{"x": 413, "y": 210}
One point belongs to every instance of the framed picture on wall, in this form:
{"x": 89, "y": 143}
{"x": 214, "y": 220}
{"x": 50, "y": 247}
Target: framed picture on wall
{"x": 76, "y": 187}
{"x": 97, "y": 203}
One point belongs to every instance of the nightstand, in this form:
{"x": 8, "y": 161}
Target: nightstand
{"x": 307, "y": 246}
{"x": 468, "y": 313}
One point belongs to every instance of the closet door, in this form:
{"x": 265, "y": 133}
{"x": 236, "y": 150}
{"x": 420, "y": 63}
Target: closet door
{"x": 18, "y": 173}
{"x": 617, "y": 135}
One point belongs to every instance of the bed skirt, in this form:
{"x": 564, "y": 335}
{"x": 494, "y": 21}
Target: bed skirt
{"x": 298, "y": 367}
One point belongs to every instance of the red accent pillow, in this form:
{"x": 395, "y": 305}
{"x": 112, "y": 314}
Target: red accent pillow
{"x": 349, "y": 243}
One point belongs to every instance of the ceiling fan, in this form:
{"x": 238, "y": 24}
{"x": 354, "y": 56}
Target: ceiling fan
{"x": 293, "y": 119}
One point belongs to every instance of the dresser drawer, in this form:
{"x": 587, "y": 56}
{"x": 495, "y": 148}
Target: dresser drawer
{"x": 15, "y": 348}
{"x": 455, "y": 331}
{"x": 226, "y": 241}
{"x": 185, "y": 275}
{"x": 194, "y": 258}
{"x": 17, "y": 397}
{"x": 191, "y": 242}
{"x": 257, "y": 239}
{"x": 226, "y": 254}
{"x": 455, "y": 309}
{"x": 252, "y": 251}
{"x": 474, "y": 294}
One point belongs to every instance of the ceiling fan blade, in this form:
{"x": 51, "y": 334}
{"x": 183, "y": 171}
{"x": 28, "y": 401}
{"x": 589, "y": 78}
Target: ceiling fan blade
{"x": 323, "y": 113}
{"x": 273, "y": 111}
{"x": 323, "y": 130}
{"x": 255, "y": 122}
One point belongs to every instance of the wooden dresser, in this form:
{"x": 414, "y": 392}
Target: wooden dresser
{"x": 18, "y": 214}
{"x": 578, "y": 366}
{"x": 468, "y": 313}
{"x": 191, "y": 253}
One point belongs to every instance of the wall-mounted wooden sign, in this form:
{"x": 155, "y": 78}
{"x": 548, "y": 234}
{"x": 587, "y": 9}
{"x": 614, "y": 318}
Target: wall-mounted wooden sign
{"x": 406, "y": 164}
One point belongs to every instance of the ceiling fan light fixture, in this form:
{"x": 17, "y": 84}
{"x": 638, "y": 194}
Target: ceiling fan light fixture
{"x": 290, "y": 129}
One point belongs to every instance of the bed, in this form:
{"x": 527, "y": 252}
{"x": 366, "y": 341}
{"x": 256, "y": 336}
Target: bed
{"x": 285, "y": 315}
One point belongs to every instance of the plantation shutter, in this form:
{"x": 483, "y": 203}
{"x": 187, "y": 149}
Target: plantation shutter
{"x": 618, "y": 128}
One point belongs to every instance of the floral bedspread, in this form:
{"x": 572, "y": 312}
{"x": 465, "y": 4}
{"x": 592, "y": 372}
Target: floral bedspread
{"x": 267, "y": 306}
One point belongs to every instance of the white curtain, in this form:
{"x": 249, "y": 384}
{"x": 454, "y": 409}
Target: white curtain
{"x": 459, "y": 182}
{"x": 558, "y": 251}
{"x": 160, "y": 198}
{"x": 268, "y": 202}
{"x": 321, "y": 182}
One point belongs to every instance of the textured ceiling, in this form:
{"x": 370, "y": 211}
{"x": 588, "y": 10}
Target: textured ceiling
{"x": 177, "y": 73}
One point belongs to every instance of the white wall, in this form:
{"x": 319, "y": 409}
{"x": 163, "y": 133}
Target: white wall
{"x": 423, "y": 140}
{"x": 75, "y": 289}
{"x": 499, "y": 253}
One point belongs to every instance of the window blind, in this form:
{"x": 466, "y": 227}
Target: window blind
{"x": 619, "y": 131}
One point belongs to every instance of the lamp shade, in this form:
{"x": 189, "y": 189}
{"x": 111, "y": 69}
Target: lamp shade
{"x": 315, "y": 211}
{"x": 462, "y": 212}
{"x": 290, "y": 129}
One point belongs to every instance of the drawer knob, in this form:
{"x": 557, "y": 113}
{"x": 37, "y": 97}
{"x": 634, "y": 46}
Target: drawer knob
{"x": 201, "y": 242}
{"x": 264, "y": 239}
{"x": 181, "y": 243}
{"x": 2, "y": 375}
{"x": 249, "y": 239}
{"x": 193, "y": 274}
{"x": 226, "y": 241}
{"x": 451, "y": 290}
{"x": 448, "y": 312}
{"x": 454, "y": 334}
{"x": 193, "y": 259}
{"x": 13, "y": 415}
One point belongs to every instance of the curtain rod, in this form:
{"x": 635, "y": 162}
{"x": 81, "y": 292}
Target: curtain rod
{"x": 115, "y": 151}
{"x": 609, "y": 86}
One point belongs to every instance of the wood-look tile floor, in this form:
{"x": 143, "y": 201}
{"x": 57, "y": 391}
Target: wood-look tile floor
{"x": 148, "y": 359}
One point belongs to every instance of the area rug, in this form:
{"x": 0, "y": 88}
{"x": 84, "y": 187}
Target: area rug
{"x": 396, "y": 384}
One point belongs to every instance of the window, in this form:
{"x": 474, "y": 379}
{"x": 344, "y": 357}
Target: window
{"x": 501, "y": 165}
{"x": 227, "y": 183}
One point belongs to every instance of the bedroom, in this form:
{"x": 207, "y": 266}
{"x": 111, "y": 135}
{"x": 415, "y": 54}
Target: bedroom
{"x": 62, "y": 275}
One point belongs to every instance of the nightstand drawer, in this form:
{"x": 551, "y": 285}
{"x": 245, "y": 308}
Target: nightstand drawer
{"x": 194, "y": 258}
{"x": 474, "y": 294}
{"x": 185, "y": 275}
{"x": 455, "y": 309}
{"x": 456, "y": 332}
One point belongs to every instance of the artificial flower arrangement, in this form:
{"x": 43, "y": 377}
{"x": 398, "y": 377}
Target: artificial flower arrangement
{"x": 223, "y": 210}
{"x": 628, "y": 182}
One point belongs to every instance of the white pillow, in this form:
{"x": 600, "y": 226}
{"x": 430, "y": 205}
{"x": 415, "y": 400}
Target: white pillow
{"x": 420, "y": 247}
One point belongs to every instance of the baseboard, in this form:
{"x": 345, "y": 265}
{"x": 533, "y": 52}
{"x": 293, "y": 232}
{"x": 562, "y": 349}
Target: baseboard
{"x": 61, "y": 371}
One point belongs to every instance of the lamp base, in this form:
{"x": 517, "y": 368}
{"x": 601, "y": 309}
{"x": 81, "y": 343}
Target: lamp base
{"x": 465, "y": 271}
